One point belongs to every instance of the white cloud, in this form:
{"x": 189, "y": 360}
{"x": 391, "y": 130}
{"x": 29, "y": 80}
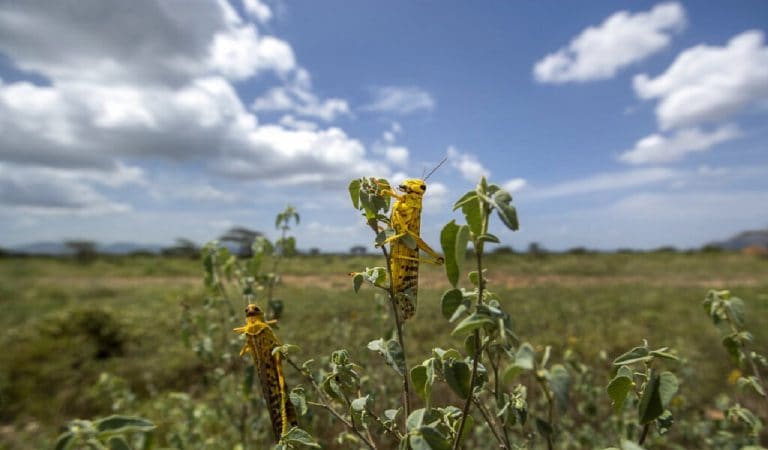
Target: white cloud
{"x": 207, "y": 193}
{"x": 291, "y": 122}
{"x": 515, "y": 185}
{"x": 179, "y": 104}
{"x": 400, "y": 100}
{"x": 607, "y": 182}
{"x": 599, "y": 52}
{"x": 657, "y": 148}
{"x": 50, "y": 191}
{"x": 397, "y": 155}
{"x": 390, "y": 135}
{"x": 709, "y": 83}
{"x": 258, "y": 10}
{"x": 239, "y": 53}
{"x": 467, "y": 164}
{"x": 298, "y": 98}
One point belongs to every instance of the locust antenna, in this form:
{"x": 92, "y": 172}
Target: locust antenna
{"x": 436, "y": 167}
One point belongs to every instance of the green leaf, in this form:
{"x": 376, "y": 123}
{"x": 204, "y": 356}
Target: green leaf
{"x": 650, "y": 403}
{"x": 488, "y": 237}
{"x": 457, "y": 374}
{"x": 462, "y": 238}
{"x": 118, "y": 443}
{"x": 415, "y": 419}
{"x": 525, "y": 356}
{"x": 123, "y": 424}
{"x": 391, "y": 414}
{"x": 419, "y": 380}
{"x": 508, "y": 215}
{"x": 64, "y": 441}
{"x": 618, "y": 389}
{"x": 450, "y": 302}
{"x": 298, "y": 436}
{"x": 473, "y": 215}
{"x": 428, "y": 438}
{"x": 560, "y": 382}
{"x": 357, "y": 281}
{"x": 471, "y": 323}
{"x": 360, "y": 404}
{"x": 637, "y": 354}
{"x": 668, "y": 386}
{"x": 468, "y": 197}
{"x": 448, "y": 243}
{"x": 299, "y": 400}
{"x": 391, "y": 351}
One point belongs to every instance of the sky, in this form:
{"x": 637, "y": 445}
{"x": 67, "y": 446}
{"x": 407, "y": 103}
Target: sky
{"x": 614, "y": 124}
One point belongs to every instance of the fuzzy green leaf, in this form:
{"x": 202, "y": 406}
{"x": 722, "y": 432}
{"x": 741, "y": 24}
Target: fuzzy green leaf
{"x": 448, "y": 243}
{"x": 650, "y": 403}
{"x": 668, "y": 386}
{"x": 450, "y": 302}
{"x": 618, "y": 389}
{"x": 123, "y": 424}
{"x": 118, "y": 443}
{"x": 457, "y": 374}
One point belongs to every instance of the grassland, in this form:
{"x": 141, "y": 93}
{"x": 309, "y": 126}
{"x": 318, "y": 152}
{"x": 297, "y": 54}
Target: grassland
{"x": 64, "y": 323}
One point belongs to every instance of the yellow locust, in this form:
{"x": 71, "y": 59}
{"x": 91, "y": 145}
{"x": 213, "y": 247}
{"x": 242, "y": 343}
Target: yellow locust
{"x": 260, "y": 341}
{"x": 405, "y": 244}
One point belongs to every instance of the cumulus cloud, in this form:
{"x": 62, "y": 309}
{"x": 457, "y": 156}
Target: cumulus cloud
{"x": 400, "y": 100}
{"x": 397, "y": 155}
{"x": 158, "y": 84}
{"x": 467, "y": 164}
{"x": 297, "y": 97}
{"x": 607, "y": 182}
{"x": 658, "y": 148}
{"x": 258, "y": 10}
{"x": 599, "y": 52}
{"x": 50, "y": 191}
{"x": 515, "y": 185}
{"x": 709, "y": 83}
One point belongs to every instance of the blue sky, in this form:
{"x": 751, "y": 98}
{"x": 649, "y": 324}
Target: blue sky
{"x": 614, "y": 124}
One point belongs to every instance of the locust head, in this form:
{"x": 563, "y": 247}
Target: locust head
{"x": 254, "y": 313}
{"x": 414, "y": 186}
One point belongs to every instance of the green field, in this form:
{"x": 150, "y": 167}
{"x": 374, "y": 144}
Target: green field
{"x": 64, "y": 323}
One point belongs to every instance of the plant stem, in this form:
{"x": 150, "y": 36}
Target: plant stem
{"x": 369, "y": 443}
{"x": 550, "y": 408}
{"x": 349, "y": 424}
{"x": 646, "y": 427}
{"x": 477, "y": 353}
{"x": 401, "y": 340}
{"x": 490, "y": 423}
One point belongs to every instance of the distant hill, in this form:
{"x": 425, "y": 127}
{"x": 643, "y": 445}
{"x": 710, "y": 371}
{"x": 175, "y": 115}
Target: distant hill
{"x": 745, "y": 239}
{"x": 59, "y": 248}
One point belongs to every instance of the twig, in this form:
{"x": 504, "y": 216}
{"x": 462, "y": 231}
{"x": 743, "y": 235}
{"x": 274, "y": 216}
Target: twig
{"x": 369, "y": 443}
{"x": 487, "y": 418}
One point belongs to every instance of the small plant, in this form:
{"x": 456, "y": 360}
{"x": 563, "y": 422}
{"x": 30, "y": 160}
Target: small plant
{"x": 113, "y": 432}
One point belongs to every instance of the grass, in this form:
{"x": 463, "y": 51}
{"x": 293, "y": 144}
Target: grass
{"x": 64, "y": 323}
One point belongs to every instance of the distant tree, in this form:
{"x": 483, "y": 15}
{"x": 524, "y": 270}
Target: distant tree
{"x": 358, "y": 250}
{"x": 665, "y": 249}
{"x": 184, "y": 248}
{"x": 711, "y": 248}
{"x": 503, "y": 250}
{"x": 84, "y": 251}
{"x": 535, "y": 249}
{"x": 577, "y": 251}
{"x": 314, "y": 251}
{"x": 242, "y": 238}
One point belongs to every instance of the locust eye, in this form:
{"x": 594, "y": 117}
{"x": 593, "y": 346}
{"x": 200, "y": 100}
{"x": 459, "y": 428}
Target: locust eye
{"x": 423, "y": 187}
